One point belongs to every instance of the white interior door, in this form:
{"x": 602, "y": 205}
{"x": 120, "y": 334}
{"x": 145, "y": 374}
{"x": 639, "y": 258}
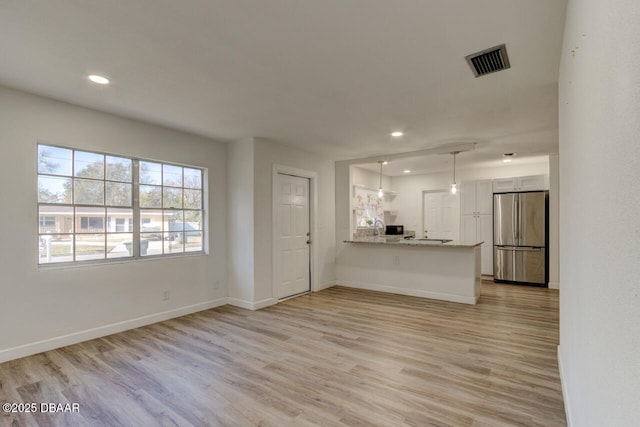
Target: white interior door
{"x": 292, "y": 233}
{"x": 439, "y": 215}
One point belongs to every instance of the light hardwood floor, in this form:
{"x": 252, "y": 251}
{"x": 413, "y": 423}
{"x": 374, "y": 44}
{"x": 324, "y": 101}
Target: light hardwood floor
{"x": 337, "y": 357}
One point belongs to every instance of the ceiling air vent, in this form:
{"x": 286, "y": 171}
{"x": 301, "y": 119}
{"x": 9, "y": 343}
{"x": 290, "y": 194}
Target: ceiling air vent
{"x": 489, "y": 60}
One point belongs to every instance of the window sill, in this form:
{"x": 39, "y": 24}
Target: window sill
{"x": 102, "y": 263}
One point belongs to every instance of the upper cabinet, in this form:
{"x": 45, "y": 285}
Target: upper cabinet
{"x": 476, "y": 197}
{"x": 520, "y": 183}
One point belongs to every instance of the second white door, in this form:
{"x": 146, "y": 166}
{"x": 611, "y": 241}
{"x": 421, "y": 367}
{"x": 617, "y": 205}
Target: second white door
{"x": 292, "y": 233}
{"x": 439, "y": 215}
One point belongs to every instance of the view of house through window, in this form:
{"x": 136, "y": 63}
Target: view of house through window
{"x": 94, "y": 206}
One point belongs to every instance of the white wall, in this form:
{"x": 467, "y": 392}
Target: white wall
{"x": 371, "y": 180}
{"x": 599, "y": 218}
{"x": 240, "y": 220}
{"x": 554, "y": 221}
{"x": 41, "y": 304}
{"x": 343, "y": 195}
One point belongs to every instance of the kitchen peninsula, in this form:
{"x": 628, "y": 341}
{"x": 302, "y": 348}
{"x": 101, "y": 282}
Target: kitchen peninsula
{"x": 425, "y": 268}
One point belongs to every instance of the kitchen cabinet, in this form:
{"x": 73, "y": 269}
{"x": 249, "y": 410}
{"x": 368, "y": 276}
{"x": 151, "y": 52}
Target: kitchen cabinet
{"x": 476, "y": 197}
{"x": 519, "y": 183}
{"x": 476, "y": 219}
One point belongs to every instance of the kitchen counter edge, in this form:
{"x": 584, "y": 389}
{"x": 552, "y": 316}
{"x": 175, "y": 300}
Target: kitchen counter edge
{"x": 405, "y": 242}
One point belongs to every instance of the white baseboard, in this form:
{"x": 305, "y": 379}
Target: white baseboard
{"x": 101, "y": 331}
{"x": 250, "y": 305}
{"x": 554, "y": 285}
{"x": 409, "y": 292}
{"x": 325, "y": 285}
{"x": 565, "y": 392}
{"x": 264, "y": 303}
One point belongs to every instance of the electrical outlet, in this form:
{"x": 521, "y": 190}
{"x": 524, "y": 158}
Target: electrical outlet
{"x": 216, "y": 284}
{"x": 165, "y": 296}
{"x": 396, "y": 260}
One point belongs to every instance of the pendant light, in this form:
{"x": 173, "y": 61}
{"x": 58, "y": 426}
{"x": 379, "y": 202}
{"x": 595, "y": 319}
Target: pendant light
{"x": 454, "y": 188}
{"x": 380, "y": 191}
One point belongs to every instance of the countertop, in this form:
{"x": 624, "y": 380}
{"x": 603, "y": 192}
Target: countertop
{"x": 386, "y": 240}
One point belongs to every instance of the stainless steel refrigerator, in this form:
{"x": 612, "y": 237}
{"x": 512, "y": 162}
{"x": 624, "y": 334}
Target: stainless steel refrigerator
{"x": 520, "y": 237}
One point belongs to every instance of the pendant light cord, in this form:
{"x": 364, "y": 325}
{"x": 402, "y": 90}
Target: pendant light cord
{"x": 454, "y": 167}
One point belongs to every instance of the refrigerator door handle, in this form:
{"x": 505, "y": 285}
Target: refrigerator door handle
{"x": 519, "y": 220}
{"x": 518, "y": 248}
{"x": 514, "y": 219}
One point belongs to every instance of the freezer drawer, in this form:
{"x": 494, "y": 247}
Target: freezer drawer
{"x": 519, "y": 264}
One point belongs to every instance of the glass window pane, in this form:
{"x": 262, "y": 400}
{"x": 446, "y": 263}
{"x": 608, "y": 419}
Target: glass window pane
{"x": 90, "y": 246}
{"x": 54, "y": 190}
{"x": 151, "y": 223}
{"x": 192, "y": 178}
{"x": 150, "y": 196}
{"x": 118, "y": 169}
{"x": 193, "y": 241}
{"x": 119, "y": 220}
{"x": 55, "y": 219}
{"x": 150, "y": 244}
{"x": 172, "y": 197}
{"x": 54, "y": 160}
{"x": 192, "y": 220}
{"x": 89, "y": 220}
{"x": 89, "y": 165}
{"x": 117, "y": 194}
{"x": 172, "y": 175}
{"x": 88, "y": 192}
{"x": 173, "y": 243}
{"x": 173, "y": 221}
{"x": 150, "y": 173}
{"x": 192, "y": 199}
{"x": 119, "y": 245}
{"x": 55, "y": 248}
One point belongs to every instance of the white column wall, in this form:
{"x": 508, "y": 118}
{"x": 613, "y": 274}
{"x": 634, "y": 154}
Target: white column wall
{"x": 554, "y": 222}
{"x": 600, "y": 208}
{"x": 240, "y": 222}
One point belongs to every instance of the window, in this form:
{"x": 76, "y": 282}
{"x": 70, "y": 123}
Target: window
{"x": 88, "y": 205}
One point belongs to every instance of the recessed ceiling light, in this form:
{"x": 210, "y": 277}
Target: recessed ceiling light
{"x": 396, "y": 134}
{"x": 99, "y": 79}
{"x": 385, "y": 162}
{"x": 406, "y": 171}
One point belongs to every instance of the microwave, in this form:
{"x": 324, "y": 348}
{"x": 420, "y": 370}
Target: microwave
{"x": 394, "y": 230}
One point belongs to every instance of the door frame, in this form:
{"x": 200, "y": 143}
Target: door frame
{"x": 313, "y": 203}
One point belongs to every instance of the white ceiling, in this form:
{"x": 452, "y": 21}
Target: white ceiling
{"x": 329, "y": 76}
